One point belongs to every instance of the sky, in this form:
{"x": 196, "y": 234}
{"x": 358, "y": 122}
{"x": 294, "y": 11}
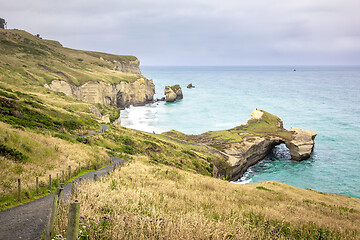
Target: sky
{"x": 199, "y": 32}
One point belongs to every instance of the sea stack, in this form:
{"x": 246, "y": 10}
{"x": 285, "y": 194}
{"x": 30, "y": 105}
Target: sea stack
{"x": 301, "y": 144}
{"x": 172, "y": 93}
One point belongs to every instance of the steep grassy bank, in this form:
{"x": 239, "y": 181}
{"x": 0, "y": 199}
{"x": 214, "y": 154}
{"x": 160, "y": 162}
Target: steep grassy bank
{"x": 38, "y": 137}
{"x": 147, "y": 201}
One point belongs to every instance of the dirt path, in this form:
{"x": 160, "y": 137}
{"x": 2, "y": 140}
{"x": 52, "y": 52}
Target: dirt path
{"x": 28, "y": 221}
{"x": 103, "y": 129}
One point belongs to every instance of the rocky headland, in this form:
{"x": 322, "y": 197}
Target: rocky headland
{"x": 93, "y": 77}
{"x": 247, "y": 144}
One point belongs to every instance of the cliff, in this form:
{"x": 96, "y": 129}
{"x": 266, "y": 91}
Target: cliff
{"x": 94, "y": 77}
{"x": 247, "y": 144}
{"x": 121, "y": 94}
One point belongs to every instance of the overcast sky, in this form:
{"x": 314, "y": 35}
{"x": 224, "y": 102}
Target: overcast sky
{"x": 199, "y": 32}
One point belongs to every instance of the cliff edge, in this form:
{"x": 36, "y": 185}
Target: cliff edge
{"x": 94, "y": 77}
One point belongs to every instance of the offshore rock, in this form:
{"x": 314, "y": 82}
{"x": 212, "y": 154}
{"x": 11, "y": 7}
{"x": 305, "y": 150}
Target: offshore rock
{"x": 172, "y": 93}
{"x": 190, "y": 85}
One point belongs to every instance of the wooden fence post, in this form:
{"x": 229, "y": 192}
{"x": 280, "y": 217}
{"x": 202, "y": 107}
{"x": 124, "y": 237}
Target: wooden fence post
{"x": 69, "y": 172}
{"x": 37, "y": 185}
{"x": 60, "y": 194}
{"x": 63, "y": 176}
{"x": 95, "y": 177}
{"x": 89, "y": 165}
{"x": 79, "y": 168}
{"x": 73, "y": 221}
{"x": 50, "y": 181}
{"x": 52, "y": 216}
{"x": 19, "y": 189}
{"x": 57, "y": 179}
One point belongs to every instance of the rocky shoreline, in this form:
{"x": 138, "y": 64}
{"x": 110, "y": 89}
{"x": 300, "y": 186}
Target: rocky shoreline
{"x": 247, "y": 144}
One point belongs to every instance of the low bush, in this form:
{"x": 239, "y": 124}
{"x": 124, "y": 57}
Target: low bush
{"x": 12, "y": 154}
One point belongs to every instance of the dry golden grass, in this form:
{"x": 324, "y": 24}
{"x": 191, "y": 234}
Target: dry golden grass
{"x": 145, "y": 201}
{"x": 47, "y": 155}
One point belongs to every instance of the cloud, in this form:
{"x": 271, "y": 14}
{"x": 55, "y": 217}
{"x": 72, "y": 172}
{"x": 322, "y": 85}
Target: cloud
{"x": 198, "y": 32}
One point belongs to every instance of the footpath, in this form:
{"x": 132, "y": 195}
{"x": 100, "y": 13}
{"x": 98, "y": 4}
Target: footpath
{"x": 29, "y": 221}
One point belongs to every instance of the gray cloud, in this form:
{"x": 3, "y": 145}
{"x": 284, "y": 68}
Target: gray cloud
{"x": 199, "y": 32}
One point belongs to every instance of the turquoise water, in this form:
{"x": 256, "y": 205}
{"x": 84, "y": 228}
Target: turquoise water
{"x": 322, "y": 99}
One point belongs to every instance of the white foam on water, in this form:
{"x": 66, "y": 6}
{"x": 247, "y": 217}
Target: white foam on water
{"x": 140, "y": 118}
{"x": 245, "y": 179}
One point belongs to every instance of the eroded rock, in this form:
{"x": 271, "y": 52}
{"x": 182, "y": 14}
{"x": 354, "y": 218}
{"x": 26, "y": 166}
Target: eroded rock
{"x": 121, "y": 95}
{"x": 190, "y": 85}
{"x": 302, "y": 144}
{"x": 172, "y": 93}
{"x": 247, "y": 144}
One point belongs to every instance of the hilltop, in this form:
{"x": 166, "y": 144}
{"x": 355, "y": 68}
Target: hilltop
{"x": 90, "y": 76}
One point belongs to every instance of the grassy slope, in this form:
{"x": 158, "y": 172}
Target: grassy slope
{"x": 147, "y": 201}
{"x": 38, "y": 137}
{"x": 37, "y": 61}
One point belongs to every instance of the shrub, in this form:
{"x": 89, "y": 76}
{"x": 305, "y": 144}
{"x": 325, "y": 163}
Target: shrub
{"x": 12, "y": 154}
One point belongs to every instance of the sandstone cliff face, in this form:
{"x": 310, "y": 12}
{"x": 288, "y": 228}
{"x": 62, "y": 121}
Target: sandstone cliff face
{"x": 302, "y": 144}
{"x": 249, "y": 153}
{"x": 253, "y": 149}
{"x": 120, "y": 95}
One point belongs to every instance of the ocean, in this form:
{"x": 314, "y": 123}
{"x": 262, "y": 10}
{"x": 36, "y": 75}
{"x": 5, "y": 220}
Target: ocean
{"x": 325, "y": 99}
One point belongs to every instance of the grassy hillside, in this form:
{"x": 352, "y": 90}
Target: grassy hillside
{"x": 39, "y": 132}
{"x": 29, "y": 59}
{"x": 147, "y": 201}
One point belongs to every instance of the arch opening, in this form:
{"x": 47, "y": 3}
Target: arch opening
{"x": 279, "y": 152}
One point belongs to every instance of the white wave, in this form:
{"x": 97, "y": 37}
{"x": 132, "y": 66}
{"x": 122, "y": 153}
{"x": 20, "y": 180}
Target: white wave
{"x": 243, "y": 181}
{"x": 141, "y": 118}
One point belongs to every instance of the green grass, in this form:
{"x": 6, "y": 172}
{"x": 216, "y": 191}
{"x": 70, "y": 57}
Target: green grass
{"x": 28, "y": 111}
{"x": 12, "y": 153}
{"x": 268, "y": 125}
{"x": 40, "y": 61}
